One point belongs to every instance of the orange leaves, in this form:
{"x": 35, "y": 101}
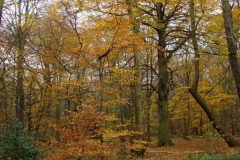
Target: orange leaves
{"x": 87, "y": 119}
{"x": 80, "y": 136}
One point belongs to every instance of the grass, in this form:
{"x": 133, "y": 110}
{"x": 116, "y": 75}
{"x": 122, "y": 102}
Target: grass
{"x": 211, "y": 156}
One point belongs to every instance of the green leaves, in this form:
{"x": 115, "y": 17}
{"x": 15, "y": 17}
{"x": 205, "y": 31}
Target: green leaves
{"x": 16, "y": 143}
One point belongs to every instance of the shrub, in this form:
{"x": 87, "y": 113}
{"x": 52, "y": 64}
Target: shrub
{"x": 18, "y": 144}
{"x": 81, "y": 136}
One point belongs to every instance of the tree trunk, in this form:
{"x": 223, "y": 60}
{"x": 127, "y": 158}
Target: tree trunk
{"x": 137, "y": 67}
{"x": 19, "y": 87}
{"x": 20, "y": 71}
{"x": 148, "y": 94}
{"x": 137, "y": 92}
{"x": 3, "y": 95}
{"x": 231, "y": 43}
{"x": 164, "y": 137}
{"x": 1, "y": 10}
{"x": 232, "y": 120}
{"x": 101, "y": 94}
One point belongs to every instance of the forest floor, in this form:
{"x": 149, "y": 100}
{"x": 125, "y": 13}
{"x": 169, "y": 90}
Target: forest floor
{"x": 182, "y": 149}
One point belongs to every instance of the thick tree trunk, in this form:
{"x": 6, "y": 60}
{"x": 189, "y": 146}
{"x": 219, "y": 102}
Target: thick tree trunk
{"x": 164, "y": 137}
{"x": 193, "y": 90}
{"x": 231, "y": 43}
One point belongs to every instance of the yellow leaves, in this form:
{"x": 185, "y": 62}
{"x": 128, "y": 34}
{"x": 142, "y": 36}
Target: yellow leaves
{"x": 54, "y": 8}
{"x": 137, "y": 145}
{"x": 183, "y": 105}
{"x": 236, "y": 21}
{"x": 111, "y": 118}
{"x": 110, "y": 135}
{"x": 159, "y": 1}
{"x": 75, "y": 83}
{"x": 113, "y": 33}
{"x": 113, "y": 87}
{"x": 113, "y": 135}
{"x": 215, "y": 27}
{"x": 222, "y": 100}
{"x": 123, "y": 77}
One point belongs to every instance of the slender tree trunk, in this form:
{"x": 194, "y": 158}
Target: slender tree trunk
{"x": 231, "y": 43}
{"x": 193, "y": 90}
{"x": 4, "y": 95}
{"x": 137, "y": 93}
{"x": 29, "y": 104}
{"x": 1, "y": 10}
{"x": 188, "y": 119}
{"x": 149, "y": 102}
{"x": 19, "y": 87}
{"x": 20, "y": 71}
{"x": 201, "y": 124}
{"x": 101, "y": 96}
{"x": 4, "y": 89}
{"x": 137, "y": 67}
{"x": 232, "y": 120}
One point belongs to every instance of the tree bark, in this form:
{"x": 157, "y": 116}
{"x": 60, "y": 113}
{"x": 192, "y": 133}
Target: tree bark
{"x": 163, "y": 91}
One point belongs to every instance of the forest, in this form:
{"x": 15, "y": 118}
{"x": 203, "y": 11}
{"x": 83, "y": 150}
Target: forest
{"x": 119, "y": 79}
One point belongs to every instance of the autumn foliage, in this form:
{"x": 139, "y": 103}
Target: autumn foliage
{"x": 80, "y": 136}
{"x": 117, "y": 79}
